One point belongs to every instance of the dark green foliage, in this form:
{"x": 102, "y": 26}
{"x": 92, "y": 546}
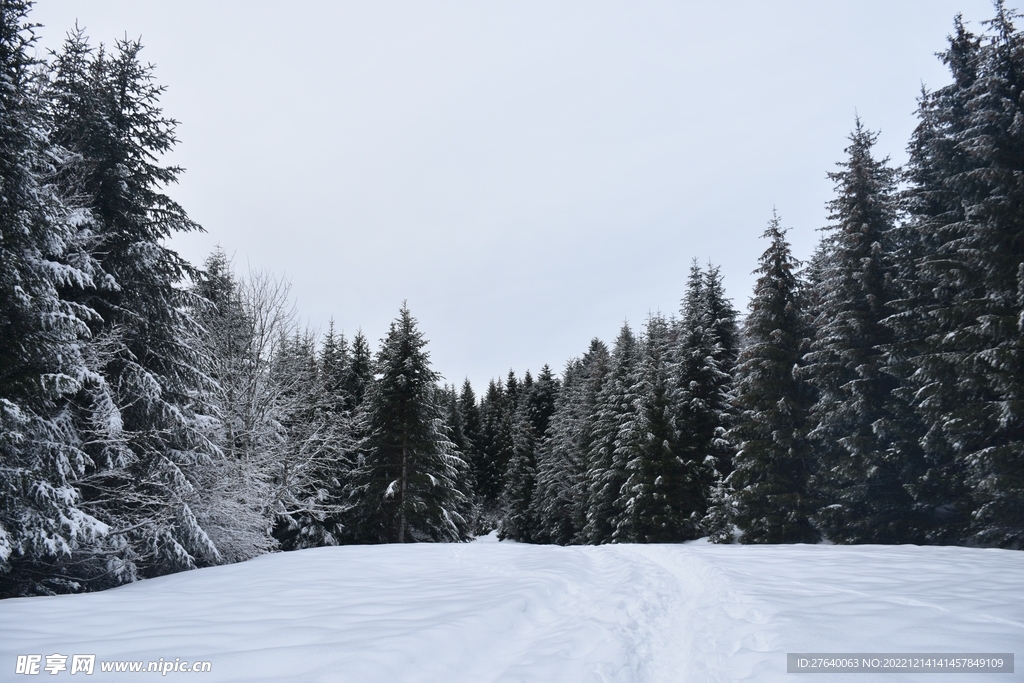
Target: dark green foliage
{"x": 105, "y": 109}
{"x": 410, "y": 483}
{"x": 861, "y": 477}
{"x": 613, "y": 410}
{"x": 322, "y": 439}
{"x": 44, "y": 359}
{"x": 966, "y": 203}
{"x": 661, "y": 500}
{"x": 519, "y": 518}
{"x": 771, "y": 502}
{"x": 469, "y": 414}
{"x": 485, "y": 512}
{"x": 562, "y": 499}
{"x": 702, "y": 381}
{"x": 358, "y": 373}
{"x": 495, "y": 444}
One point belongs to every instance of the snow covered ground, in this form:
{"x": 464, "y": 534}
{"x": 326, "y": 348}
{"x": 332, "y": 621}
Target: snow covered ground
{"x": 489, "y": 611}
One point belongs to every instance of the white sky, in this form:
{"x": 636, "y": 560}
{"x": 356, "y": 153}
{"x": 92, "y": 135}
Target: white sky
{"x": 528, "y": 175}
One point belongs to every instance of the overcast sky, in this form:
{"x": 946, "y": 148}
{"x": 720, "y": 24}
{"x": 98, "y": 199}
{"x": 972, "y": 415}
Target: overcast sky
{"x": 528, "y": 175}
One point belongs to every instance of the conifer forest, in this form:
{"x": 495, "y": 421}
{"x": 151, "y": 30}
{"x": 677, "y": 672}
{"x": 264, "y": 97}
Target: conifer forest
{"x": 158, "y": 415}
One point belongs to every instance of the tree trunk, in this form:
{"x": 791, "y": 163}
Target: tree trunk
{"x": 401, "y": 501}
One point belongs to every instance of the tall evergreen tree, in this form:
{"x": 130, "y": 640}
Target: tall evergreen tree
{"x": 44, "y": 359}
{"x": 700, "y": 395}
{"x": 519, "y": 515}
{"x": 495, "y": 446}
{"x": 561, "y": 498}
{"x": 661, "y": 499}
{"x": 484, "y": 514}
{"x": 723, "y": 335}
{"x": 359, "y": 371}
{"x": 613, "y": 411}
{"x": 966, "y": 201}
{"x": 469, "y": 412}
{"x": 722, "y": 317}
{"x": 769, "y": 484}
{"x": 408, "y": 486}
{"x": 323, "y": 439}
{"x": 861, "y": 477}
{"x": 927, "y": 275}
{"x": 105, "y": 108}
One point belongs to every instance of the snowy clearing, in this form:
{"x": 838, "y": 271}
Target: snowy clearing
{"x": 488, "y": 611}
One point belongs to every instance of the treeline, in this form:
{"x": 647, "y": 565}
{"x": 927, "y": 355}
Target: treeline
{"x": 101, "y": 381}
{"x": 626, "y": 446}
{"x": 873, "y": 395}
{"x": 156, "y": 417}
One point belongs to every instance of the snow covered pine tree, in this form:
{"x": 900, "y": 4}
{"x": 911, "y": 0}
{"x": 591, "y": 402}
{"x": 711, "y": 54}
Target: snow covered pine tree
{"x": 863, "y": 485}
{"x": 769, "y": 485}
{"x": 410, "y": 484}
{"x": 43, "y": 339}
{"x": 106, "y": 111}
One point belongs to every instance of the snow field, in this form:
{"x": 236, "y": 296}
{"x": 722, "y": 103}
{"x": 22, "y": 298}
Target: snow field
{"x": 489, "y": 611}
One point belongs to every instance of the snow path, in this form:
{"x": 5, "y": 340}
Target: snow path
{"x": 490, "y": 611}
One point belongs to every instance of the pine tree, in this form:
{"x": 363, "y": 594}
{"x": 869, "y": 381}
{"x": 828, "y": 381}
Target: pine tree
{"x": 46, "y": 359}
{"x": 769, "y": 484}
{"x": 321, "y": 443}
{"x": 519, "y": 521}
{"x": 106, "y": 111}
{"x": 700, "y": 396}
{"x": 966, "y": 206}
{"x": 408, "y": 486}
{"x": 469, "y": 413}
{"x": 721, "y": 323}
{"x": 562, "y": 497}
{"x": 335, "y": 370}
{"x": 495, "y": 447}
{"x": 512, "y": 391}
{"x": 359, "y": 371}
{"x": 613, "y": 410}
{"x": 861, "y": 477}
{"x": 484, "y": 515}
{"x": 722, "y": 317}
{"x": 927, "y": 274}
{"x": 661, "y": 500}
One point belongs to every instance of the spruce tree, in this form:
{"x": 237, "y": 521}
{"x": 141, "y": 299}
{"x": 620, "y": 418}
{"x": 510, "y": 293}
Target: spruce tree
{"x": 723, "y": 336}
{"x": 408, "y": 486}
{"x": 484, "y": 515}
{"x": 927, "y": 274}
{"x": 106, "y": 111}
{"x": 722, "y": 317}
{"x": 359, "y": 371}
{"x": 769, "y": 485}
{"x": 469, "y": 412}
{"x": 518, "y": 509}
{"x": 966, "y": 206}
{"x": 861, "y": 478}
{"x": 700, "y": 396}
{"x": 561, "y": 498}
{"x": 322, "y": 442}
{"x": 46, "y": 359}
{"x": 661, "y": 500}
{"x": 606, "y": 471}
{"x": 495, "y": 447}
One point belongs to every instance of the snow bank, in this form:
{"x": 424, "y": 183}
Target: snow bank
{"x": 512, "y": 612}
